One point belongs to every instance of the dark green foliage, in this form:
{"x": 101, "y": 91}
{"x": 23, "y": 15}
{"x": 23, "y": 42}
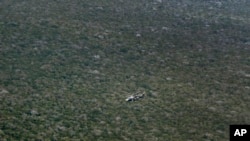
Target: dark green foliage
{"x": 66, "y": 68}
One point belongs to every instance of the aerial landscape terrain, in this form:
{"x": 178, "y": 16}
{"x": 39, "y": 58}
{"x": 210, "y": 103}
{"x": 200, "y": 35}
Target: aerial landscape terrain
{"x": 68, "y": 67}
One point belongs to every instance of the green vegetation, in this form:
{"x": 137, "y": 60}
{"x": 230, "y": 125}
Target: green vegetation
{"x": 66, "y": 68}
